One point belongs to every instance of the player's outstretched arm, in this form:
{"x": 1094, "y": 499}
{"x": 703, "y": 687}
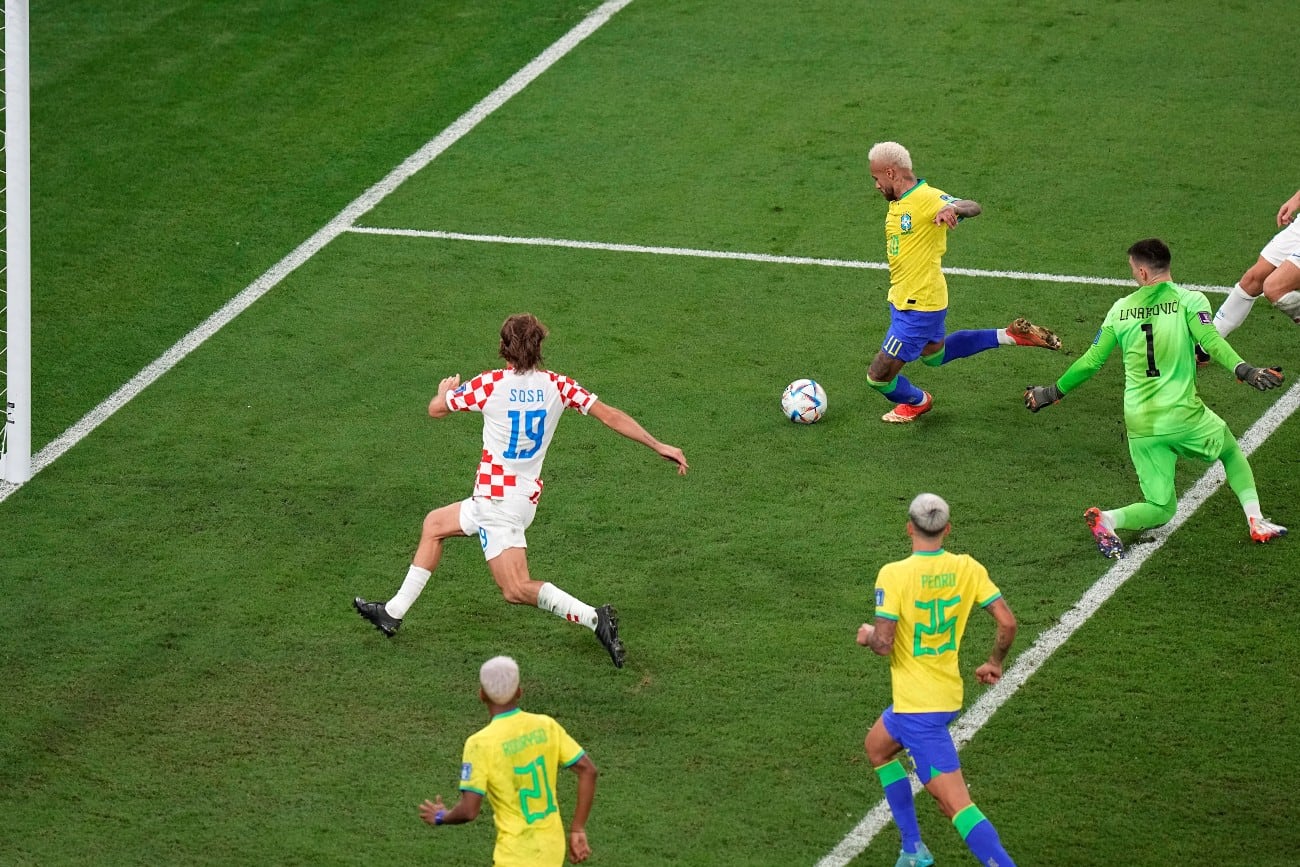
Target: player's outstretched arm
{"x": 620, "y": 422}
{"x": 991, "y": 672}
{"x": 1262, "y": 378}
{"x": 1083, "y": 369}
{"x": 585, "y": 768}
{"x": 438, "y": 406}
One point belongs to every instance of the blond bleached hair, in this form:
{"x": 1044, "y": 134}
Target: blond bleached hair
{"x": 890, "y": 153}
{"x": 929, "y": 514}
{"x": 499, "y": 677}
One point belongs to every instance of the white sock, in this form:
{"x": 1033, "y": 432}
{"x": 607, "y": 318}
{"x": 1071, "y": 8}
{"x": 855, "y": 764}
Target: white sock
{"x": 1290, "y": 305}
{"x": 412, "y": 586}
{"x": 1108, "y": 520}
{"x": 1252, "y": 510}
{"x": 1233, "y": 311}
{"x": 553, "y": 599}
{"x": 1005, "y": 339}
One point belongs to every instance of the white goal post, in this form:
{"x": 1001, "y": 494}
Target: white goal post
{"x": 16, "y": 440}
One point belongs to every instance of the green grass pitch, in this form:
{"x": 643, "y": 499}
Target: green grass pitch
{"x": 186, "y": 681}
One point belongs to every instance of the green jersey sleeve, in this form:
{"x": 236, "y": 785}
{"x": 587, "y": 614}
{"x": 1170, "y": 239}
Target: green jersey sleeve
{"x": 1090, "y": 362}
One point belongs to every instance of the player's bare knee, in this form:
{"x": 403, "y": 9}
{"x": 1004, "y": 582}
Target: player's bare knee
{"x": 880, "y": 747}
{"x": 950, "y": 808}
{"x": 949, "y": 792}
{"x": 1282, "y": 281}
{"x": 1252, "y": 282}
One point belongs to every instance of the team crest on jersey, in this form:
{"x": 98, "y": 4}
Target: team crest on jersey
{"x": 880, "y": 596}
{"x": 1205, "y": 316}
{"x": 905, "y": 222}
{"x": 465, "y": 770}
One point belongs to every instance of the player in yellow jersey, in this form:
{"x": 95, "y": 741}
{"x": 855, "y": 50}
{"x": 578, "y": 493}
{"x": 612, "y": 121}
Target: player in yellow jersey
{"x": 514, "y": 762}
{"x": 922, "y": 606}
{"x": 916, "y": 237}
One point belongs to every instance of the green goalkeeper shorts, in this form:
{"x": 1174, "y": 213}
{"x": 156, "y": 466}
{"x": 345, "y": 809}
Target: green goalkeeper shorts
{"x": 1154, "y": 457}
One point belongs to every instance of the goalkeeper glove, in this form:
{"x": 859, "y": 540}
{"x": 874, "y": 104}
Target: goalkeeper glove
{"x": 1262, "y": 378}
{"x": 1039, "y": 396}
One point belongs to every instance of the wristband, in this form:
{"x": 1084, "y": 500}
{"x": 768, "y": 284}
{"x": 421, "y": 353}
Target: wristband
{"x": 437, "y": 817}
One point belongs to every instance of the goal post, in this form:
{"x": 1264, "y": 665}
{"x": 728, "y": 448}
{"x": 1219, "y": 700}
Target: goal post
{"x": 16, "y": 441}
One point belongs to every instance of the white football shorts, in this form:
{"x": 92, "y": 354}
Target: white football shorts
{"x": 1284, "y": 243}
{"x": 499, "y": 524}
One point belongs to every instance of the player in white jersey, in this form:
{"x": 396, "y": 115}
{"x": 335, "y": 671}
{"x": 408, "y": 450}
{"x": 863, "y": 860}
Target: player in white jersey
{"x": 521, "y": 406}
{"x": 1275, "y": 275}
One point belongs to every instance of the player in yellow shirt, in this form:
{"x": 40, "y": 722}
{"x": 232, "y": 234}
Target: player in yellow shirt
{"x": 922, "y": 606}
{"x": 916, "y": 237}
{"x": 514, "y": 762}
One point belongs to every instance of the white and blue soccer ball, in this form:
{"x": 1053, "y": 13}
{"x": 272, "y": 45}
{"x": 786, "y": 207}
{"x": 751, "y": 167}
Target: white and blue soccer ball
{"x": 804, "y": 401}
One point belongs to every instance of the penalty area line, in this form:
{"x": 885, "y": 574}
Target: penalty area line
{"x": 750, "y": 257}
{"x": 1049, "y": 641}
{"x": 323, "y": 236}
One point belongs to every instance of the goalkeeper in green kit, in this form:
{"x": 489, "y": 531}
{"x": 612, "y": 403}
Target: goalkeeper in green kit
{"x": 1157, "y": 328}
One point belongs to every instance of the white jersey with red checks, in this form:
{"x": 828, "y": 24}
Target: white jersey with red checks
{"x": 520, "y": 414}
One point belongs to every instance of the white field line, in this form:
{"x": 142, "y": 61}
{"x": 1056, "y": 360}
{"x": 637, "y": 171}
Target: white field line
{"x": 753, "y": 257}
{"x": 313, "y": 245}
{"x": 1050, "y": 640}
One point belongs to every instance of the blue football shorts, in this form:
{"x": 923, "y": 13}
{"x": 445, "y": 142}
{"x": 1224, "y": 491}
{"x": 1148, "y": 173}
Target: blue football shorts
{"x": 925, "y": 737}
{"x": 910, "y": 331}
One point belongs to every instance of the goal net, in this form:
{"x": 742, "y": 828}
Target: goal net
{"x": 15, "y": 241}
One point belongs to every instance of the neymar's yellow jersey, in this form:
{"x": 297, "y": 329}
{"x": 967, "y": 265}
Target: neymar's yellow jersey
{"x": 513, "y": 762}
{"x": 930, "y": 595}
{"x": 915, "y": 247}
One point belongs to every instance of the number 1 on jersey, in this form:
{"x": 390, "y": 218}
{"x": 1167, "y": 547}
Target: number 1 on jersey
{"x": 1149, "y": 331}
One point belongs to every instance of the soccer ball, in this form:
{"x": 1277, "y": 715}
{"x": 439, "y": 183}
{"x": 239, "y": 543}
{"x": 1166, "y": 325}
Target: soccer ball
{"x": 804, "y": 401}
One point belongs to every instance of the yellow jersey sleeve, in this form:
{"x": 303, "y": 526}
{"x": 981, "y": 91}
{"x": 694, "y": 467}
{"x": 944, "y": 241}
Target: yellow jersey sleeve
{"x": 888, "y": 597}
{"x": 915, "y": 245}
{"x": 474, "y": 767}
{"x": 986, "y": 592}
{"x": 570, "y": 751}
